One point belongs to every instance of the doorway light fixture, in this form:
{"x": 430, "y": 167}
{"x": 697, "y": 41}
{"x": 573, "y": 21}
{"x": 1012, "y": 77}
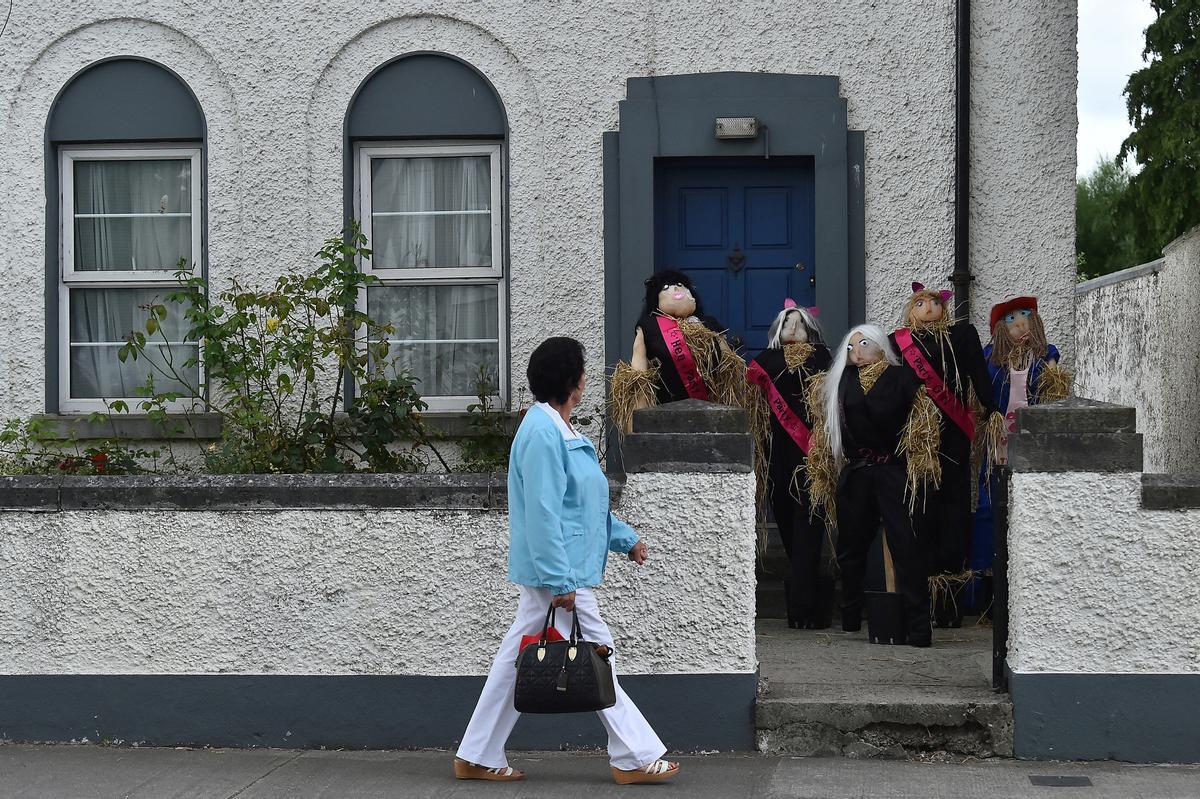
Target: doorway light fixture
{"x": 736, "y": 127}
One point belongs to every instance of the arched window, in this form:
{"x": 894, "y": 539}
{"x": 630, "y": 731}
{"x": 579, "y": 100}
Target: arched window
{"x": 425, "y": 135}
{"x": 125, "y": 142}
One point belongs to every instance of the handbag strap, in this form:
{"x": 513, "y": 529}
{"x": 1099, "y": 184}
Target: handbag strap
{"x": 576, "y": 631}
{"x": 549, "y": 623}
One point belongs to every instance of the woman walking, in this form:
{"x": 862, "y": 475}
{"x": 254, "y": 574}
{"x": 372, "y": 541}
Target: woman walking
{"x": 560, "y": 533}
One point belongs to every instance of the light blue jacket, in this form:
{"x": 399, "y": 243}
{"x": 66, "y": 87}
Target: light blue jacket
{"x": 560, "y": 527}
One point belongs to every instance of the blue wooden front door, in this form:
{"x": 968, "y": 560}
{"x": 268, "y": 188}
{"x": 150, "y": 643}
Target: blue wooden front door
{"x": 743, "y": 232}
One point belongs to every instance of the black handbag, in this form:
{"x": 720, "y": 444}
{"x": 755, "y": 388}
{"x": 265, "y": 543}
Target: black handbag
{"x": 572, "y": 676}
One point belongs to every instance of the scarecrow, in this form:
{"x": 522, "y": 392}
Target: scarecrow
{"x": 874, "y": 455}
{"x": 784, "y": 374}
{"x": 948, "y": 359}
{"x": 678, "y": 353}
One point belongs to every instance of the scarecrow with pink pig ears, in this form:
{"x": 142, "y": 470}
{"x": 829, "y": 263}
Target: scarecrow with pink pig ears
{"x": 785, "y": 376}
{"x": 948, "y": 358}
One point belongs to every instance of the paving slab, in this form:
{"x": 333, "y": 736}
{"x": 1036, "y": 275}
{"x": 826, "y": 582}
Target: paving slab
{"x": 92, "y": 772}
{"x": 99, "y": 772}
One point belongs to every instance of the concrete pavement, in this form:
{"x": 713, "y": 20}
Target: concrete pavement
{"x": 94, "y": 772}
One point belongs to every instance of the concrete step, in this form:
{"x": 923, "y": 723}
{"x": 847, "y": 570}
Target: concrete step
{"x": 825, "y": 693}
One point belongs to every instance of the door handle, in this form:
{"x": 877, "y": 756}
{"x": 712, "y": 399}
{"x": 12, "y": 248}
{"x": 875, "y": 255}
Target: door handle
{"x": 737, "y": 259}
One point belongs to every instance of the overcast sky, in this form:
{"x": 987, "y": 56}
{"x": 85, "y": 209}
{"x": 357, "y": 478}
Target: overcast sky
{"x": 1111, "y": 38}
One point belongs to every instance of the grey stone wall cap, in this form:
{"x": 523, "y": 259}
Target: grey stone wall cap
{"x": 1077, "y": 415}
{"x": 1171, "y": 491}
{"x": 259, "y": 492}
{"x": 690, "y": 416}
{"x": 1075, "y": 452}
{"x": 649, "y": 452}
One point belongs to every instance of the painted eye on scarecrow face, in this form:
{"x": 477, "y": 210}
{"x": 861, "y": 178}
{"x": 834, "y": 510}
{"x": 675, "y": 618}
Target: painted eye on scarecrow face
{"x": 920, "y": 303}
{"x": 1026, "y": 312}
{"x": 864, "y": 343}
{"x": 1010, "y": 318}
{"x": 934, "y": 302}
{"x": 850, "y": 347}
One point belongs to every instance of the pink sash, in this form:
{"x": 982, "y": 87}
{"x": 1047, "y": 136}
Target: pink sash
{"x": 783, "y": 412}
{"x": 945, "y": 399}
{"x": 681, "y": 354}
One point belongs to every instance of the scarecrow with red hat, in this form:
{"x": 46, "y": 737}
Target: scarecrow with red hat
{"x": 947, "y": 357}
{"x": 785, "y": 374}
{"x": 1024, "y": 370}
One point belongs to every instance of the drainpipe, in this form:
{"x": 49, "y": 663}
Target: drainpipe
{"x": 961, "y": 277}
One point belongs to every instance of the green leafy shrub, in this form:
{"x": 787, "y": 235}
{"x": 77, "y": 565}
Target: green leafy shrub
{"x": 276, "y": 364}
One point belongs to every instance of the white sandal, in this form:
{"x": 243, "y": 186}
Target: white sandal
{"x": 473, "y": 771}
{"x": 657, "y": 771}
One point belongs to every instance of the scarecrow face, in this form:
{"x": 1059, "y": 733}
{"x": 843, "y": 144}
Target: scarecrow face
{"x": 928, "y": 309}
{"x": 1018, "y": 324}
{"x": 862, "y": 351}
{"x": 677, "y": 301}
{"x": 793, "y": 331}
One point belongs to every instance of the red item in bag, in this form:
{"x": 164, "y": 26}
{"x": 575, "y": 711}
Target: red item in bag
{"x": 552, "y": 634}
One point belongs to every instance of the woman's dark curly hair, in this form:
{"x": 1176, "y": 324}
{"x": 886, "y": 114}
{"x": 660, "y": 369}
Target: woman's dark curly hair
{"x": 667, "y": 277}
{"x": 555, "y": 369}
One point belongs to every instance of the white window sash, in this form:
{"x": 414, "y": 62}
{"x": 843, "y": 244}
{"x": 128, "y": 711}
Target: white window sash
{"x": 116, "y": 279}
{"x": 442, "y": 276}
{"x": 365, "y": 215}
{"x": 460, "y": 402}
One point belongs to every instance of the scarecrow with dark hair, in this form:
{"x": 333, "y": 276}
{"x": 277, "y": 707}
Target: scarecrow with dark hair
{"x": 678, "y": 353}
{"x": 1024, "y": 370}
{"x": 948, "y": 359}
{"x": 784, "y": 374}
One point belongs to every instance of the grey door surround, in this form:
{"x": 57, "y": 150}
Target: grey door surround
{"x": 673, "y": 116}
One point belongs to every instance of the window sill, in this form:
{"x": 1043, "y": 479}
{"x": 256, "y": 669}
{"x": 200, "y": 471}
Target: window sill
{"x": 132, "y": 427}
{"x": 457, "y": 424}
{"x": 207, "y": 426}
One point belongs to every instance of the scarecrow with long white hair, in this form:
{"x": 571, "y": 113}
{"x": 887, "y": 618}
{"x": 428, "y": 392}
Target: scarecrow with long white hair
{"x": 784, "y": 373}
{"x": 948, "y": 358}
{"x": 873, "y": 456}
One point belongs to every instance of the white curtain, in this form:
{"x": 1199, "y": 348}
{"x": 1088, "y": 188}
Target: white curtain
{"x": 122, "y": 223}
{"x": 444, "y": 334}
{"x": 405, "y": 192}
{"x": 151, "y": 188}
{"x": 100, "y": 321}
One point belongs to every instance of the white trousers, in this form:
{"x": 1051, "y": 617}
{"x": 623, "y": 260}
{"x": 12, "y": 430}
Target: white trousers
{"x": 631, "y": 742}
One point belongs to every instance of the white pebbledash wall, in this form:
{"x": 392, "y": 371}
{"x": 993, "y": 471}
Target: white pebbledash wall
{"x": 360, "y": 592}
{"x": 1097, "y": 583}
{"x": 1134, "y": 329}
{"x": 274, "y": 81}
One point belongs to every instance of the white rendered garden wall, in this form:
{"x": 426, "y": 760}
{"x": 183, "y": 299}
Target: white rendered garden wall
{"x": 274, "y": 82}
{"x": 1133, "y": 326}
{"x": 359, "y": 591}
{"x": 1103, "y": 624}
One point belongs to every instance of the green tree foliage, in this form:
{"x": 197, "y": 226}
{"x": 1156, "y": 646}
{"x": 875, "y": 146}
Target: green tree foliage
{"x": 1164, "y": 106}
{"x": 1104, "y": 224}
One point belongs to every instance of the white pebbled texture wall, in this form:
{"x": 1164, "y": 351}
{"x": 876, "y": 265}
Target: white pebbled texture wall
{"x": 1096, "y": 583}
{"x": 1129, "y": 351}
{"x": 274, "y": 80}
{"x": 360, "y": 591}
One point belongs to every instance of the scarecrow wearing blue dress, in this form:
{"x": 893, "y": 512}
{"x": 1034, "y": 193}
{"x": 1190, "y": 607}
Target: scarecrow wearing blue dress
{"x": 1023, "y": 369}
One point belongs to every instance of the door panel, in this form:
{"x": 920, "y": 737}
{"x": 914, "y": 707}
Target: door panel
{"x": 743, "y": 231}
